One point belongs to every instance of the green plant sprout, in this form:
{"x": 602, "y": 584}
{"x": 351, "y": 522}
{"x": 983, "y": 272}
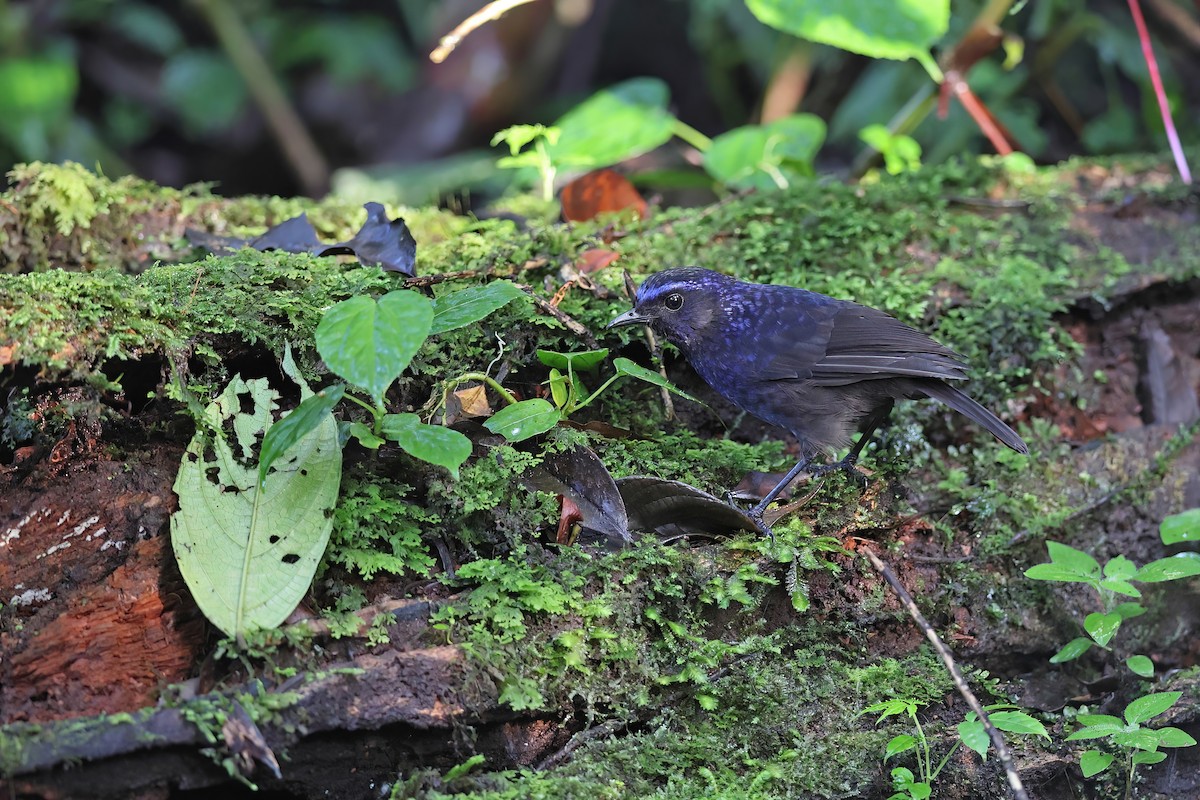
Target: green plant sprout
{"x": 1141, "y": 744}
{"x": 971, "y": 732}
{"x": 369, "y": 343}
{"x": 538, "y": 157}
{"x": 1113, "y": 582}
{"x": 522, "y": 419}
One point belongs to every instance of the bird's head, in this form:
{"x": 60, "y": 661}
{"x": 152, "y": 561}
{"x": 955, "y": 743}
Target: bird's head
{"x": 678, "y": 304}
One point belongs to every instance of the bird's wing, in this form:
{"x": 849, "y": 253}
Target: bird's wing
{"x": 851, "y": 343}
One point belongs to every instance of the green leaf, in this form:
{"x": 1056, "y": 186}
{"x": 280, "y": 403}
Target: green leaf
{"x": 768, "y": 156}
{"x": 1129, "y": 610}
{"x": 1018, "y": 722}
{"x": 370, "y": 343}
{"x": 614, "y": 124}
{"x": 433, "y": 443}
{"x": 1184, "y": 565}
{"x": 1173, "y": 737}
{"x": 365, "y": 436}
{"x": 1093, "y": 762}
{"x": 1150, "y": 706}
{"x": 1119, "y": 568}
{"x": 1151, "y": 757}
{"x": 1102, "y": 627}
{"x": 1120, "y": 587}
{"x": 1056, "y": 572}
{"x": 1183, "y": 527}
{"x": 580, "y": 361}
{"x": 1099, "y": 719}
{"x": 1076, "y": 560}
{"x": 974, "y": 735}
{"x": 301, "y": 421}
{"x": 1071, "y": 650}
{"x": 1140, "y": 665}
{"x": 626, "y": 367}
{"x": 1095, "y": 732}
{"x": 875, "y": 28}
{"x": 249, "y": 553}
{"x": 524, "y": 419}
{"x": 559, "y": 391}
{"x": 461, "y": 308}
{"x": 707, "y": 702}
{"x": 1140, "y": 738}
{"x": 900, "y": 744}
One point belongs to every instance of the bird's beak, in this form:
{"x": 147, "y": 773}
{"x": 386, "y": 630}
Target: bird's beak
{"x": 630, "y": 317}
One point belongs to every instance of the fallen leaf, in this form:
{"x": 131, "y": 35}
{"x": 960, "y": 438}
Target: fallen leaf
{"x": 594, "y": 260}
{"x": 603, "y": 191}
{"x": 472, "y": 402}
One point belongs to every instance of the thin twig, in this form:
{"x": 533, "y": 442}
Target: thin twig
{"x": 570, "y": 323}
{"x": 493, "y": 10}
{"x": 960, "y": 683}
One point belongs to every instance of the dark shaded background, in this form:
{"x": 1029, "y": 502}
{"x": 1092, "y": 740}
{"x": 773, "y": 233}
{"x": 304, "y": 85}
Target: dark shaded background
{"x": 152, "y": 88}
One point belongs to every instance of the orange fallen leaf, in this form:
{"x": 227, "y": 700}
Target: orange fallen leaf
{"x": 594, "y": 260}
{"x": 600, "y": 192}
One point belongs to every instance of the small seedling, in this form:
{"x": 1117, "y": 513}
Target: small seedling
{"x": 1141, "y": 744}
{"x": 1113, "y": 583}
{"x": 971, "y": 732}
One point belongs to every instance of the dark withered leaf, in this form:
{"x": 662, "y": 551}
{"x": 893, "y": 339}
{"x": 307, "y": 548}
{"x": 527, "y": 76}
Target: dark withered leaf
{"x": 381, "y": 242}
{"x": 295, "y": 235}
{"x": 672, "y": 508}
{"x": 579, "y": 475}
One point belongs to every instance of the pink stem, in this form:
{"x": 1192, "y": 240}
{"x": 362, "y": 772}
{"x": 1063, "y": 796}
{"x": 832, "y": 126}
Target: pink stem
{"x": 1135, "y": 8}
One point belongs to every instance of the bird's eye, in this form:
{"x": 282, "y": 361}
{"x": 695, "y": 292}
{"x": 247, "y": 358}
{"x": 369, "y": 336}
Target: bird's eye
{"x": 674, "y": 301}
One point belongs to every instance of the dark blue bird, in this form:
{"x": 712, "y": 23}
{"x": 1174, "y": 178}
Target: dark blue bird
{"x": 820, "y": 367}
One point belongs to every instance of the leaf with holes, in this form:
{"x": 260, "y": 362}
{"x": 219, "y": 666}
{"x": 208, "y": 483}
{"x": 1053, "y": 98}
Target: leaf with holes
{"x": 248, "y": 554}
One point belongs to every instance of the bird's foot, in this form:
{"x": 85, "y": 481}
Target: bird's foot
{"x": 755, "y": 514}
{"x": 846, "y": 465}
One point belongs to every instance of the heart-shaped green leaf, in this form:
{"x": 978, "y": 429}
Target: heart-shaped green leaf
{"x": 369, "y": 343}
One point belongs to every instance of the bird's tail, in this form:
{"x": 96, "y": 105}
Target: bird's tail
{"x": 973, "y": 411}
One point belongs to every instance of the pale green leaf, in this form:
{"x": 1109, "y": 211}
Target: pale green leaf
{"x": 248, "y": 554}
{"x": 626, "y": 367}
{"x": 1150, "y": 706}
{"x": 1102, "y": 627}
{"x": 582, "y": 361}
{"x": 1140, "y": 665}
{"x": 1093, "y": 762}
{"x": 614, "y": 124}
{"x": 1018, "y": 722}
{"x": 1184, "y": 565}
{"x": 1183, "y": 527}
{"x": 896, "y": 29}
{"x": 1071, "y": 650}
{"x": 974, "y": 735}
{"x": 770, "y": 156}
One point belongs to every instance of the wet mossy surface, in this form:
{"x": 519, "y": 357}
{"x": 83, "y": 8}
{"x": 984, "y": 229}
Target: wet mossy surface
{"x": 735, "y": 669}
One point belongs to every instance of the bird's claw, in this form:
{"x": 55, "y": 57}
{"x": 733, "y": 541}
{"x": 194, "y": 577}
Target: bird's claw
{"x": 846, "y": 465}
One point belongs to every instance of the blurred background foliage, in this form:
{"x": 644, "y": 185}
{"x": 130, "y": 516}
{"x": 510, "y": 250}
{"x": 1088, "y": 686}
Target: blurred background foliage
{"x": 265, "y": 96}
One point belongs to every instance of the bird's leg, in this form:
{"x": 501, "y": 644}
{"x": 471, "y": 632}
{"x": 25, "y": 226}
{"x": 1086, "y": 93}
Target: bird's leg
{"x": 757, "y": 512}
{"x": 869, "y": 427}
